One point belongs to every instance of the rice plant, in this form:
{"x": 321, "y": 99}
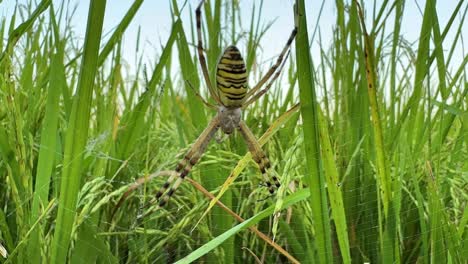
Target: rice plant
{"x": 369, "y": 138}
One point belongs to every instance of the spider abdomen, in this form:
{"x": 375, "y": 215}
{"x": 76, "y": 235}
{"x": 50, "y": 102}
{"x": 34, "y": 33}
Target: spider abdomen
{"x": 231, "y": 77}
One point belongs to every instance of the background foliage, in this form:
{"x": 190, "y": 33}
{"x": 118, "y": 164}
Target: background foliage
{"x": 373, "y": 166}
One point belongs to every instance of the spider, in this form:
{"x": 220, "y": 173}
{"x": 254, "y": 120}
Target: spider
{"x": 231, "y": 98}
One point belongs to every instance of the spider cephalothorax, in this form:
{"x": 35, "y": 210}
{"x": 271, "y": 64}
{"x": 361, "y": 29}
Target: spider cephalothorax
{"x": 231, "y": 97}
{"x": 229, "y": 119}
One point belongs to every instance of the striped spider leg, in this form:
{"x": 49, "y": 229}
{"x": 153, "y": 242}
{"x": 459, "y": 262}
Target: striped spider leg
{"x": 258, "y": 156}
{"x": 231, "y": 98}
{"x": 190, "y": 159}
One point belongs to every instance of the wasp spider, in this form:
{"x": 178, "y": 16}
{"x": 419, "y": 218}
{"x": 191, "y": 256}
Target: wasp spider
{"x": 231, "y": 96}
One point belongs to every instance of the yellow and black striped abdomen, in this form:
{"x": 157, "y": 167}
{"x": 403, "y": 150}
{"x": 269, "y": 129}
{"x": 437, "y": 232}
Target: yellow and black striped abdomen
{"x": 231, "y": 78}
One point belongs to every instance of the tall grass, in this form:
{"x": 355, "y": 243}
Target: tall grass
{"x": 372, "y": 160}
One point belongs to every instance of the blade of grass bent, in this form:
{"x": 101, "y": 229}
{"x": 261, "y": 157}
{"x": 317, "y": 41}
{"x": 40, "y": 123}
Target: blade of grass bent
{"x": 77, "y": 134}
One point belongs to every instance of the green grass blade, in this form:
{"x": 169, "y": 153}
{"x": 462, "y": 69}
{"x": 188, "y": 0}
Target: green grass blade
{"x": 201, "y": 251}
{"x": 293, "y": 241}
{"x": 91, "y": 248}
{"x": 314, "y": 177}
{"x": 77, "y": 135}
{"x": 133, "y": 120}
{"x": 19, "y": 31}
{"x": 188, "y": 69}
{"x": 396, "y": 34}
{"x": 382, "y": 170}
{"x": 388, "y": 253}
{"x": 119, "y": 31}
{"x": 438, "y": 252}
{"x": 20, "y": 244}
{"x": 422, "y": 62}
{"x": 47, "y": 151}
{"x": 334, "y": 189}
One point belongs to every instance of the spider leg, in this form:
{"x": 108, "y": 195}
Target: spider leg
{"x": 201, "y": 56}
{"x": 258, "y": 156}
{"x": 275, "y": 66}
{"x": 200, "y": 97}
{"x": 255, "y": 97}
{"x": 190, "y": 159}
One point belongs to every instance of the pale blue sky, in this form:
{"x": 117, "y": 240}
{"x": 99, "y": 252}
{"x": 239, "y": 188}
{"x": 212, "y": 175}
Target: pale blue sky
{"x": 155, "y": 21}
